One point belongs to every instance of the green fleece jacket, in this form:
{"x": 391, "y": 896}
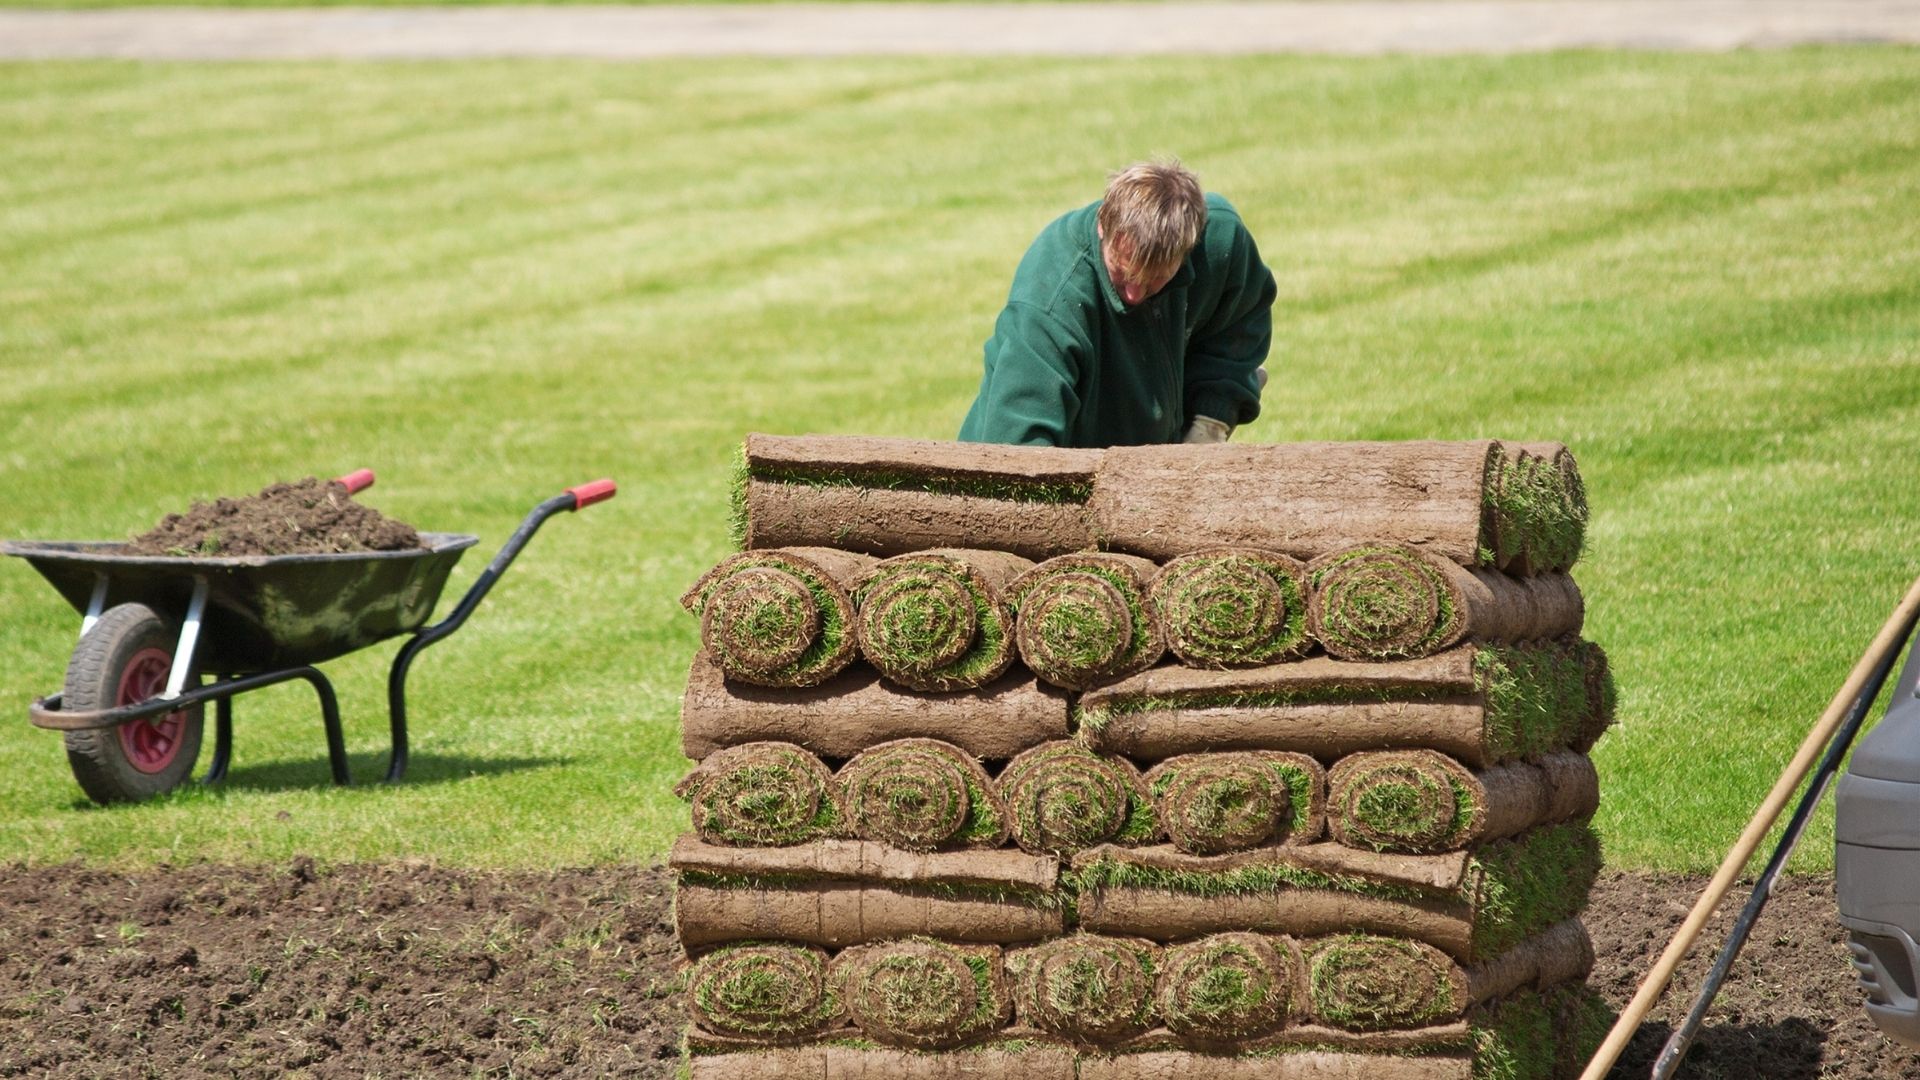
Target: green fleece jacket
{"x": 1069, "y": 364}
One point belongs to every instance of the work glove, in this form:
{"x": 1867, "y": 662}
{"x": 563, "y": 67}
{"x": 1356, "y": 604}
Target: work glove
{"x": 1205, "y": 429}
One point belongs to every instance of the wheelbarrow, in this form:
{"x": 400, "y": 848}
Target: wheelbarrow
{"x": 133, "y": 702}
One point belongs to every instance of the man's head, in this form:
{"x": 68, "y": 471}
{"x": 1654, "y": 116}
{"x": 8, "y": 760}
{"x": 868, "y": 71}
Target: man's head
{"x": 1151, "y": 217}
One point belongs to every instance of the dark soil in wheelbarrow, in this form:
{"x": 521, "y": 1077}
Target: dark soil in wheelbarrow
{"x": 306, "y": 517}
{"x": 414, "y": 970}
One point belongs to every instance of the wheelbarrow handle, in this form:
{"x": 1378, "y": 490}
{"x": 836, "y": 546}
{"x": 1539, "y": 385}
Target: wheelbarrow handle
{"x": 585, "y": 495}
{"x": 356, "y": 481}
{"x": 574, "y": 498}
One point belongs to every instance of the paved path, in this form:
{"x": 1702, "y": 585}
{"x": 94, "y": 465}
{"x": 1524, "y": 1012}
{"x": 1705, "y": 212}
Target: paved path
{"x": 1199, "y": 26}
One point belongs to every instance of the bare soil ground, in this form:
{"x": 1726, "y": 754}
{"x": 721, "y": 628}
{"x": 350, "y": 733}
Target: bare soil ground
{"x": 414, "y": 970}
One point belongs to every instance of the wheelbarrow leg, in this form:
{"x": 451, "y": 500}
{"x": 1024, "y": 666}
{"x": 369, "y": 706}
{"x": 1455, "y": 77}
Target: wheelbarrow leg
{"x": 397, "y": 705}
{"x": 233, "y": 685}
{"x": 222, "y": 742}
{"x": 330, "y": 715}
{"x": 95, "y": 605}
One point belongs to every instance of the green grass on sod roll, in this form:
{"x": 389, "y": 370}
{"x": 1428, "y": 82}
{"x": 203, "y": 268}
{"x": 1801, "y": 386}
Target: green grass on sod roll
{"x": 491, "y": 280}
{"x": 1227, "y": 987}
{"x": 1213, "y": 803}
{"x": 1064, "y": 797}
{"x": 764, "y": 991}
{"x": 1074, "y": 641}
{"x": 921, "y": 993}
{"x": 1512, "y": 1037}
{"x": 1376, "y": 614}
{"x": 762, "y": 796}
{"x": 1536, "y": 698}
{"x": 1406, "y": 801}
{"x": 1519, "y": 886}
{"x": 920, "y": 797}
{"x": 1051, "y": 900}
{"x": 1086, "y": 987}
{"x": 985, "y": 487}
{"x": 927, "y": 626}
{"x": 1367, "y": 982}
{"x": 765, "y": 623}
{"x": 1540, "y": 511}
{"x": 1230, "y": 610}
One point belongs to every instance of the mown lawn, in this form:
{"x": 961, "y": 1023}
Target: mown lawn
{"x": 492, "y": 280}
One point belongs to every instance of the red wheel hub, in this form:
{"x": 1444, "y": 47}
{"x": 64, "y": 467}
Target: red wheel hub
{"x": 150, "y": 744}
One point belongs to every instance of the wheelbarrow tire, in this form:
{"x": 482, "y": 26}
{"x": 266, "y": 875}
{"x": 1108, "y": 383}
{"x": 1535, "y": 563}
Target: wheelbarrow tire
{"x": 123, "y": 659}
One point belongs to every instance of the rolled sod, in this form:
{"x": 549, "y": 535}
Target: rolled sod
{"x": 713, "y": 911}
{"x": 844, "y": 892}
{"x": 1087, "y": 619}
{"x": 1372, "y": 984}
{"x": 1560, "y": 955}
{"x": 779, "y": 618}
{"x": 1233, "y": 607}
{"x": 765, "y": 794}
{"x": 1481, "y": 705}
{"x": 939, "y": 620}
{"x": 1507, "y": 891}
{"x": 893, "y": 496}
{"x": 1580, "y": 1019}
{"x": 1453, "y": 499}
{"x": 839, "y": 1062}
{"x": 1536, "y": 509}
{"x": 857, "y": 709}
{"x": 923, "y": 994}
{"x": 1294, "y": 1065}
{"x": 1367, "y": 982}
{"x": 1227, "y": 988}
{"x": 1085, "y": 988}
{"x": 1392, "y": 602}
{"x": 763, "y": 992}
{"x": 1548, "y": 1035}
{"x": 922, "y": 795}
{"x": 1422, "y": 801}
{"x": 1210, "y": 804}
{"x": 1062, "y": 797}
{"x": 1602, "y": 696}
{"x": 1383, "y": 602}
{"x": 865, "y": 862}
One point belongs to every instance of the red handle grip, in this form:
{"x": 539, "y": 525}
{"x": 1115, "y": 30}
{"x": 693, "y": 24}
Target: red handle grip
{"x": 586, "y": 495}
{"x": 356, "y": 481}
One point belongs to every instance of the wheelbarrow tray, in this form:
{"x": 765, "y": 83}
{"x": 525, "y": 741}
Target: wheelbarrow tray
{"x": 263, "y": 611}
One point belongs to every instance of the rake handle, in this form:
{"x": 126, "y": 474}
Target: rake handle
{"x": 1655, "y": 984}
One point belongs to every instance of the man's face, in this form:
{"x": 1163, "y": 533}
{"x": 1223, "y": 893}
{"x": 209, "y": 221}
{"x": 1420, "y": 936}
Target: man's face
{"x": 1135, "y": 284}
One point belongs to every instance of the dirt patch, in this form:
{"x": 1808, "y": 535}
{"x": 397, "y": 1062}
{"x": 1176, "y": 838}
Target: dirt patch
{"x": 415, "y": 970}
{"x": 306, "y": 517}
{"x": 1791, "y": 1010}
{"x": 358, "y": 971}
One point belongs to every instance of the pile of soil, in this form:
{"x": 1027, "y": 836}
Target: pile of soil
{"x": 306, "y": 517}
{"x": 414, "y": 970}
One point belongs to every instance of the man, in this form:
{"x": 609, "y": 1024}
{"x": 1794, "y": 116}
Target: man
{"x": 1142, "y": 318}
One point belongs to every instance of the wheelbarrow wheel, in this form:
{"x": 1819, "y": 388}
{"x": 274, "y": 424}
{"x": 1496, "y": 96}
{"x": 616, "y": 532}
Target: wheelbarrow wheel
{"x": 123, "y": 660}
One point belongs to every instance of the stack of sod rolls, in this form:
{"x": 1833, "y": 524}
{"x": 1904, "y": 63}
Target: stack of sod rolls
{"x": 1140, "y": 763}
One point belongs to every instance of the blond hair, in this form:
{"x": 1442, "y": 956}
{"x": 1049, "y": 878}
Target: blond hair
{"x": 1155, "y": 210}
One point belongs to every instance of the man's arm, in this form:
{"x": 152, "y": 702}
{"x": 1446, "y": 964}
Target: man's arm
{"x": 1027, "y": 395}
{"x": 1231, "y": 343}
